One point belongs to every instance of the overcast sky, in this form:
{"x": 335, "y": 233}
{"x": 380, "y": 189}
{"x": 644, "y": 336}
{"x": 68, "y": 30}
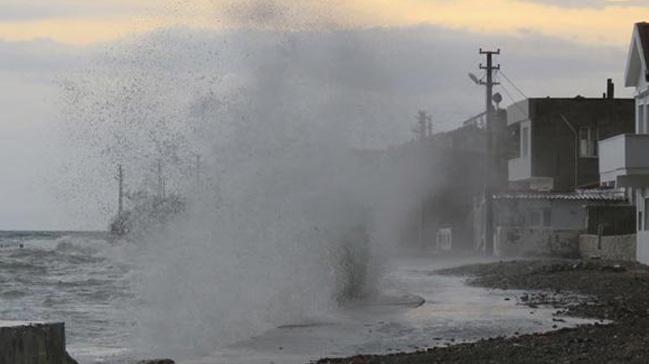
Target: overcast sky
{"x": 420, "y": 52}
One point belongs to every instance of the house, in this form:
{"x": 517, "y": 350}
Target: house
{"x": 625, "y": 157}
{"x": 531, "y": 223}
{"x": 557, "y": 139}
{"x": 553, "y": 177}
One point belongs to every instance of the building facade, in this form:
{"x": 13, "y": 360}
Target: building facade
{"x": 556, "y": 139}
{"x": 625, "y": 157}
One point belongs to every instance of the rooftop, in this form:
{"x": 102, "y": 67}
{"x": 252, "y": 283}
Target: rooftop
{"x": 580, "y": 195}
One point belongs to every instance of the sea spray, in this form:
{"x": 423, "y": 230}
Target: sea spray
{"x": 290, "y": 218}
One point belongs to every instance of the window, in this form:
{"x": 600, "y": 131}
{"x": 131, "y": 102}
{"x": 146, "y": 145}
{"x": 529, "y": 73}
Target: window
{"x": 588, "y": 142}
{"x": 640, "y": 220}
{"x": 640, "y": 122}
{"x": 525, "y": 144}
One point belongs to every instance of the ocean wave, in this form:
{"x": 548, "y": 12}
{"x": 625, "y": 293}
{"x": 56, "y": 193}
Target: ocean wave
{"x": 12, "y": 293}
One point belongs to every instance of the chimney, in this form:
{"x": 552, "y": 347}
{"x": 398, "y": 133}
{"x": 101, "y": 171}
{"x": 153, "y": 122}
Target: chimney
{"x": 610, "y": 89}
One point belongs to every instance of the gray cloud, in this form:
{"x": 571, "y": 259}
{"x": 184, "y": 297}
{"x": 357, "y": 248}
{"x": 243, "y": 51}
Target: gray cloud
{"x": 378, "y": 78}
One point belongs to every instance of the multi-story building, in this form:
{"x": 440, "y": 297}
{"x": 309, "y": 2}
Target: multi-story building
{"x": 558, "y": 139}
{"x": 553, "y": 178}
{"x": 625, "y": 157}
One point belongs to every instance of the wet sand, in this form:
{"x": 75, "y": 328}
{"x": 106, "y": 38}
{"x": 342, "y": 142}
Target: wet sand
{"x": 615, "y": 294}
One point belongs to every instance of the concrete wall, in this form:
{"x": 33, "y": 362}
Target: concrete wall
{"x": 518, "y": 112}
{"x": 536, "y": 242}
{"x": 618, "y": 247}
{"x": 642, "y": 241}
{"x": 642, "y": 247}
{"x": 40, "y": 343}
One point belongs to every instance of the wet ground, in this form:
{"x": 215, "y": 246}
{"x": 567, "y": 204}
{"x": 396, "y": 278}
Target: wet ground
{"x": 452, "y": 312}
{"x": 617, "y": 296}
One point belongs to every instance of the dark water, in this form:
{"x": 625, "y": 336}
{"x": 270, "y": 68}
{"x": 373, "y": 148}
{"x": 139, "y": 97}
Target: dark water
{"x": 78, "y": 278}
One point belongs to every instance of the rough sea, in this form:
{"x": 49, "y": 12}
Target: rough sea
{"x": 86, "y": 281}
{"x": 75, "y": 277}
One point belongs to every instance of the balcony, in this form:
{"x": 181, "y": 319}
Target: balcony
{"x": 520, "y": 169}
{"x": 624, "y": 160}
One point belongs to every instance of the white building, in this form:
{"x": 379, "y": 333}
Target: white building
{"x": 624, "y": 159}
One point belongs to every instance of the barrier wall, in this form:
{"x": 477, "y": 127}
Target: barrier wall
{"x": 616, "y": 247}
{"x": 536, "y": 242}
{"x": 33, "y": 343}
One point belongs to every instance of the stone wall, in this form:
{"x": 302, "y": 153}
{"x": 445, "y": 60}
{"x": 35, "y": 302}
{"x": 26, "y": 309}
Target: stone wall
{"x": 33, "y": 343}
{"x": 617, "y": 247}
{"x": 536, "y": 242}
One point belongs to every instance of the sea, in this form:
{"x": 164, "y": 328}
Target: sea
{"x": 85, "y": 280}
{"x": 78, "y": 278}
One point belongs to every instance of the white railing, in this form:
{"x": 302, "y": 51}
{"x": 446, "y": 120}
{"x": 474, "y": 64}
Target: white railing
{"x": 623, "y": 155}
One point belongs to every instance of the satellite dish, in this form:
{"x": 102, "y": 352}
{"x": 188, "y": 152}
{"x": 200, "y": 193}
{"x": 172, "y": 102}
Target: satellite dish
{"x": 474, "y": 78}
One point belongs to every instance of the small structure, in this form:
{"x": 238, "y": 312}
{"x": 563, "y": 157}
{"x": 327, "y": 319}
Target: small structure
{"x": 547, "y": 223}
{"x": 33, "y": 343}
{"x": 625, "y": 157}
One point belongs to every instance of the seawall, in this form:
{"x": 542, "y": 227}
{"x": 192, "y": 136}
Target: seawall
{"x": 33, "y": 343}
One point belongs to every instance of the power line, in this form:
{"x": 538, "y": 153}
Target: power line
{"x": 513, "y": 84}
{"x": 514, "y": 102}
{"x": 506, "y": 91}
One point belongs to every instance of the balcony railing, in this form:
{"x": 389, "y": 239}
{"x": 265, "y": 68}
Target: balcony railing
{"x": 624, "y": 159}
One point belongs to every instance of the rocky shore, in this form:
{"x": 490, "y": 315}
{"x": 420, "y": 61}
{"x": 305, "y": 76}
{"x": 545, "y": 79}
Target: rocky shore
{"x": 616, "y": 294}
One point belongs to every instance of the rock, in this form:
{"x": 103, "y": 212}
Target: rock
{"x": 157, "y": 361}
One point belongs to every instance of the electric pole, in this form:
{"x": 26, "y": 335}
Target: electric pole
{"x": 424, "y": 126}
{"x": 489, "y": 152}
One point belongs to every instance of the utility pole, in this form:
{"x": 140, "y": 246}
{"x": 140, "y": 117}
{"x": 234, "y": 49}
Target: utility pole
{"x": 120, "y": 181}
{"x": 489, "y": 157}
{"x": 423, "y": 129}
{"x": 424, "y": 126}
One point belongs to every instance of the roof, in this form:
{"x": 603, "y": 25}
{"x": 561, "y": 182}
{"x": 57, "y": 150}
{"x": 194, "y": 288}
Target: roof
{"x": 643, "y": 33}
{"x": 580, "y": 195}
{"x": 638, "y": 56}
